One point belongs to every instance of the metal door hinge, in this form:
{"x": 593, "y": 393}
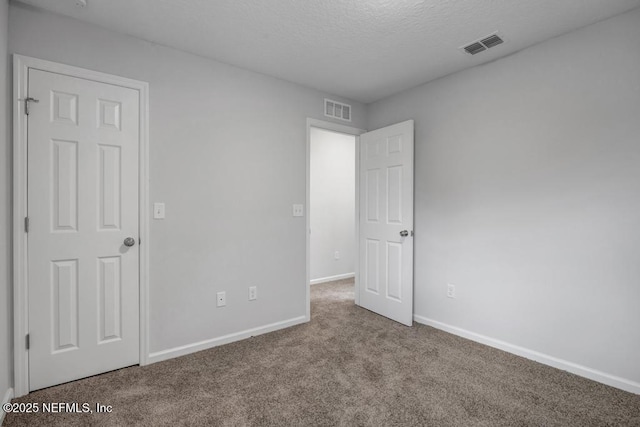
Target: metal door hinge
{"x": 26, "y": 224}
{"x": 26, "y": 104}
{"x": 28, "y": 341}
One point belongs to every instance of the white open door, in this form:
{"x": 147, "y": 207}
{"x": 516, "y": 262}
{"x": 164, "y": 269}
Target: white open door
{"x": 386, "y": 222}
{"x": 83, "y": 269}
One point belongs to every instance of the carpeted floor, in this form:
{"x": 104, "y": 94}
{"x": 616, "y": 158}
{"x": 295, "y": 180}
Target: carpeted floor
{"x": 346, "y": 367}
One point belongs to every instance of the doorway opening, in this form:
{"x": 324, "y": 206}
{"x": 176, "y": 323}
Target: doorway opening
{"x": 332, "y": 195}
{"x": 332, "y": 206}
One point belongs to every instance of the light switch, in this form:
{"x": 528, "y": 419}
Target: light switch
{"x": 298, "y": 210}
{"x": 158, "y": 211}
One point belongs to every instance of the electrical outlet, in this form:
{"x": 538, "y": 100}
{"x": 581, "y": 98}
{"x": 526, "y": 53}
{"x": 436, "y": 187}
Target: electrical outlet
{"x": 298, "y": 210}
{"x": 221, "y": 299}
{"x": 253, "y": 293}
{"x": 336, "y": 255}
{"x": 451, "y": 291}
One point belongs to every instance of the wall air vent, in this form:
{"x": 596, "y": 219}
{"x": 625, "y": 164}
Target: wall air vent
{"x": 337, "y": 110}
{"x": 483, "y": 44}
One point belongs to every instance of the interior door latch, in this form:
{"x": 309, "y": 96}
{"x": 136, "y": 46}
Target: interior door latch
{"x": 26, "y": 104}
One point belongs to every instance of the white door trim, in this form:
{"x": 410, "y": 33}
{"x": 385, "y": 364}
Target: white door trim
{"x": 21, "y": 66}
{"x": 350, "y": 131}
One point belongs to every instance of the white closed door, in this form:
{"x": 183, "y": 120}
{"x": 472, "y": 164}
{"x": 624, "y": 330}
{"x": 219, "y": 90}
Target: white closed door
{"x": 386, "y": 222}
{"x": 83, "y": 139}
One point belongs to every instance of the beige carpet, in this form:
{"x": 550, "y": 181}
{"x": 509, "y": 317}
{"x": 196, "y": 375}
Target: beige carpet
{"x": 346, "y": 367}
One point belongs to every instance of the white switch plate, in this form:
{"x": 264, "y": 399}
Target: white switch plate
{"x": 222, "y": 299}
{"x": 158, "y": 211}
{"x": 298, "y": 210}
{"x": 336, "y": 255}
{"x": 253, "y": 293}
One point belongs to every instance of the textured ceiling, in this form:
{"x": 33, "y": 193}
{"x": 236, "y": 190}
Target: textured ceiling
{"x": 361, "y": 49}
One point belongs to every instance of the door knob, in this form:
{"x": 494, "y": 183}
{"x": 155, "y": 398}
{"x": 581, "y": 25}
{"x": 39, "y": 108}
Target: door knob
{"x": 129, "y": 241}
{"x": 404, "y": 233}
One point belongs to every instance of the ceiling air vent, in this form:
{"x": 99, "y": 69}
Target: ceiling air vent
{"x": 474, "y": 48}
{"x": 483, "y": 44}
{"x": 337, "y": 110}
{"x": 491, "y": 41}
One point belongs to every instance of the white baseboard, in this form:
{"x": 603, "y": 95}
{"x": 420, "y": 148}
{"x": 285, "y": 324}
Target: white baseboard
{"x": 159, "y": 356}
{"x": 332, "y": 278}
{"x": 6, "y": 399}
{"x": 574, "y": 368}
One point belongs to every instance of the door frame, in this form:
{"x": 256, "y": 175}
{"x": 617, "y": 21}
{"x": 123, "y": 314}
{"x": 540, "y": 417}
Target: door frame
{"x": 335, "y": 127}
{"x": 21, "y": 66}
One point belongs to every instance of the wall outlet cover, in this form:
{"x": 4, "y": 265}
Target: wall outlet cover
{"x": 451, "y": 291}
{"x": 298, "y": 210}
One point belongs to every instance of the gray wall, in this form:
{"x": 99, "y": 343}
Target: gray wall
{"x": 228, "y": 150}
{"x": 6, "y": 313}
{"x": 333, "y": 203}
{"x": 528, "y": 196}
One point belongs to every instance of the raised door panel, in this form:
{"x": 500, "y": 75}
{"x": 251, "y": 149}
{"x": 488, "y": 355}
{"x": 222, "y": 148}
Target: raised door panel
{"x": 372, "y": 185}
{"x": 372, "y": 266}
{"x": 64, "y": 108}
{"x": 394, "y": 271}
{"x": 109, "y": 298}
{"x": 394, "y": 195}
{"x": 64, "y": 301}
{"x": 109, "y": 197}
{"x": 109, "y": 114}
{"x": 64, "y": 185}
